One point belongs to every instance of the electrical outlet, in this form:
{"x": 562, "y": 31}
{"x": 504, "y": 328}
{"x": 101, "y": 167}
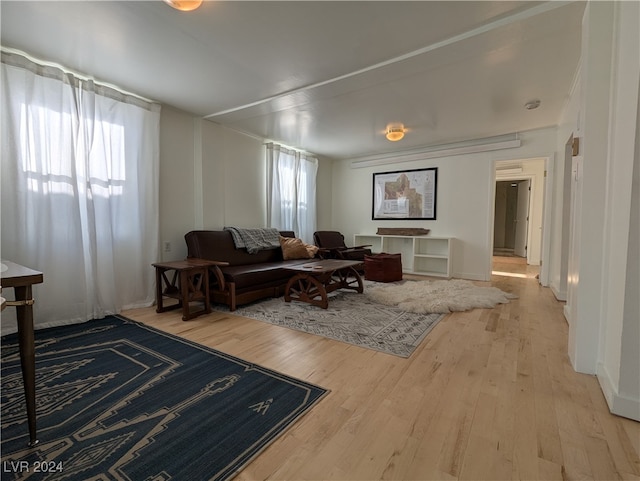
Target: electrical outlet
{"x": 167, "y": 246}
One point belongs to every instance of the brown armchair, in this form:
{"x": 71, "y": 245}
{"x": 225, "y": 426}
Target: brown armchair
{"x": 332, "y": 246}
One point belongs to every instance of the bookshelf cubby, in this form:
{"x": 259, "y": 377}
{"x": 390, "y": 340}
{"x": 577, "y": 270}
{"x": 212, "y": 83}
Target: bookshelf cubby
{"x": 424, "y": 255}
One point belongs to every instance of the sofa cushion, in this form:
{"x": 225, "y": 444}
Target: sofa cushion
{"x": 256, "y": 275}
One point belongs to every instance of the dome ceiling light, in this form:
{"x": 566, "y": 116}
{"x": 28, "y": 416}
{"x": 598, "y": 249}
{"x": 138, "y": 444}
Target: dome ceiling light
{"x": 395, "y": 132}
{"x": 184, "y": 5}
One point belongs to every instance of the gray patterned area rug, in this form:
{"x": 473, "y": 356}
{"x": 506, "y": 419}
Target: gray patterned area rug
{"x": 350, "y": 318}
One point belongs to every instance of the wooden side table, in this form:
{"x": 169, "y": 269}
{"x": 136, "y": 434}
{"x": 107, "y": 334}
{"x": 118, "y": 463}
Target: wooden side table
{"x": 188, "y": 282}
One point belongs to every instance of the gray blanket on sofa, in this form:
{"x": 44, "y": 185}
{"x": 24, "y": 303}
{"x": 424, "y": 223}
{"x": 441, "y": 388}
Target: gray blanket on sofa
{"x": 254, "y": 240}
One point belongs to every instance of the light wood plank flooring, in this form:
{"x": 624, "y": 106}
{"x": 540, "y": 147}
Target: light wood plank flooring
{"x": 488, "y": 395}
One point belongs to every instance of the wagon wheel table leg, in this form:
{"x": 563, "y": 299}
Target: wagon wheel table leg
{"x": 349, "y": 278}
{"x": 306, "y": 288}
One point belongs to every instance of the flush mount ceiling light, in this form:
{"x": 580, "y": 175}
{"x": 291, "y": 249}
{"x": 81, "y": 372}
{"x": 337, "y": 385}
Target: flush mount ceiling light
{"x": 532, "y": 105}
{"x": 395, "y": 132}
{"x": 184, "y": 5}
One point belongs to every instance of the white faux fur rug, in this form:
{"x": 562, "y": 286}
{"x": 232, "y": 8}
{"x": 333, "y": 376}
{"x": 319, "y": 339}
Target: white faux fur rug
{"x": 436, "y": 296}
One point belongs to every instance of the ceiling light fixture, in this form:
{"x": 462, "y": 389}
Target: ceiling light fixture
{"x": 184, "y": 5}
{"x": 395, "y": 132}
{"x": 532, "y": 104}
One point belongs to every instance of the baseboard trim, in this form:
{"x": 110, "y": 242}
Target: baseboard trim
{"x": 559, "y": 295}
{"x": 618, "y": 405}
{"x": 469, "y": 277}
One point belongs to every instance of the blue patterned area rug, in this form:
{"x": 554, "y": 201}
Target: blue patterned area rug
{"x": 352, "y": 318}
{"x": 117, "y": 400}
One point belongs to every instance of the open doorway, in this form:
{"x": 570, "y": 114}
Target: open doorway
{"x": 511, "y": 218}
{"x": 518, "y": 217}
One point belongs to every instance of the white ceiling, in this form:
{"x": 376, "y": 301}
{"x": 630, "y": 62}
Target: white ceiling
{"x": 326, "y": 77}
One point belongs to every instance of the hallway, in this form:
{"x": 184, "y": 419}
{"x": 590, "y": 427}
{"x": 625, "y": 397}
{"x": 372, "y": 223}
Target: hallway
{"x": 513, "y": 266}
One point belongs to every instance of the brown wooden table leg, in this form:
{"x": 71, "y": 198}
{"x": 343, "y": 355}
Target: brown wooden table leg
{"x": 24, "y": 315}
{"x": 194, "y": 288}
{"x": 349, "y": 278}
{"x": 207, "y": 294}
{"x": 184, "y": 291}
{"x": 159, "y": 296}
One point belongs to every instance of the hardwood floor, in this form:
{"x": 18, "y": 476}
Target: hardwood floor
{"x": 488, "y": 395}
{"x": 512, "y": 266}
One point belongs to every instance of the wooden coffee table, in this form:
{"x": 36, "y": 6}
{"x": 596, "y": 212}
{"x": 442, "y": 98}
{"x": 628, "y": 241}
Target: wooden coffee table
{"x": 313, "y": 280}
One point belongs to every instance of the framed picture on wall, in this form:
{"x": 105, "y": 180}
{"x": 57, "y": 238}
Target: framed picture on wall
{"x": 405, "y": 194}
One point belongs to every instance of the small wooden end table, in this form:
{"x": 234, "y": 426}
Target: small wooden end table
{"x": 314, "y": 280}
{"x": 189, "y": 282}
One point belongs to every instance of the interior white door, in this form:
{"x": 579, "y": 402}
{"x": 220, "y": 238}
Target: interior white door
{"x": 522, "y": 218}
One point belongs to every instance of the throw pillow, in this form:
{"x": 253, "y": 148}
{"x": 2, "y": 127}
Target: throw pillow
{"x": 294, "y": 248}
{"x": 311, "y": 250}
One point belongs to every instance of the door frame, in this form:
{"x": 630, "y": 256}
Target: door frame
{"x": 547, "y": 186}
{"x": 515, "y": 178}
{"x": 522, "y": 184}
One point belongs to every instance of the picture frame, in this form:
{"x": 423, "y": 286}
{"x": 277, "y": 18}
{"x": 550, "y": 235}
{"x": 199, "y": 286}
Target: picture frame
{"x": 405, "y": 194}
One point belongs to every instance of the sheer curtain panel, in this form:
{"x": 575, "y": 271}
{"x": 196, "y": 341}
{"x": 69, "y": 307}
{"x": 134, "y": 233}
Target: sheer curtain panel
{"x": 291, "y": 191}
{"x": 79, "y": 191}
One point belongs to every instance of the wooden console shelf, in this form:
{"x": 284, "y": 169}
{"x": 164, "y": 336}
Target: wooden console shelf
{"x": 424, "y": 255}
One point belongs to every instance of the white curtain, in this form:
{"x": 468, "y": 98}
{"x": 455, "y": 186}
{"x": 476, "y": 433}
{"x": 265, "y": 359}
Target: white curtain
{"x": 79, "y": 191}
{"x": 291, "y": 191}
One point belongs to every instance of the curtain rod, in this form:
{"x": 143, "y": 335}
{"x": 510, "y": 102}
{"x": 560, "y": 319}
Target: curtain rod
{"x": 78, "y": 75}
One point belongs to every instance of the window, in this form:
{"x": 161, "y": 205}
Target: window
{"x": 79, "y": 190}
{"x": 292, "y": 191}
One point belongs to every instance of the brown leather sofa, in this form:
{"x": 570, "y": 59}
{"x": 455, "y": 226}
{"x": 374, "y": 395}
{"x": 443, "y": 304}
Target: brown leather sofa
{"x": 241, "y": 277}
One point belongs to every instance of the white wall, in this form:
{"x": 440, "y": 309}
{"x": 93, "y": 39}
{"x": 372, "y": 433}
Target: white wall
{"x": 619, "y": 342}
{"x": 586, "y": 255}
{"x": 604, "y": 267}
{"x": 465, "y": 199}
{"x": 568, "y": 127}
{"x": 629, "y": 381}
{"x": 212, "y": 177}
{"x": 177, "y": 204}
{"x": 324, "y": 193}
{"x": 233, "y": 179}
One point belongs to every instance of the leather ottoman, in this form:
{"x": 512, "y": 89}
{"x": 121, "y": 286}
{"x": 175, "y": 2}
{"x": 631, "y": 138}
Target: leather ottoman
{"x": 383, "y": 267}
